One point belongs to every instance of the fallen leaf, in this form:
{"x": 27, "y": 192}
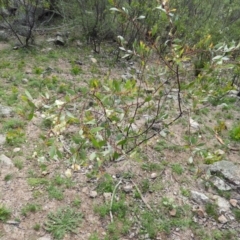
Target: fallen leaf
{"x": 219, "y": 139}
{"x": 75, "y": 167}
{"x": 173, "y": 212}
{"x": 68, "y": 173}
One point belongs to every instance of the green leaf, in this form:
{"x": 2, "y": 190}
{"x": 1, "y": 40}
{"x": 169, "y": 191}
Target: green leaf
{"x": 30, "y": 115}
{"x": 52, "y": 151}
{"x": 92, "y": 156}
{"x": 122, "y": 142}
{"x": 148, "y": 98}
{"x": 97, "y": 129}
{"x": 28, "y": 95}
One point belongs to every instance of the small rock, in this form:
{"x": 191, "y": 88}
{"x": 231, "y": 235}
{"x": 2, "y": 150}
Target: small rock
{"x": 163, "y": 133}
{"x": 229, "y": 170}
{"x": 2, "y": 139}
{"x": 222, "y": 105}
{"x": 190, "y": 160}
{"x": 156, "y": 127}
{"x": 199, "y": 197}
{"x": 94, "y": 60}
{"x": 222, "y": 219}
{"x": 90, "y": 167}
{"x": 124, "y": 77}
{"x": 79, "y": 43}
{"x": 45, "y": 173}
{"x": 50, "y": 40}
{"x": 16, "y": 150}
{"x": 3, "y": 34}
{"x": 85, "y": 190}
{"x": 59, "y": 41}
{"x": 118, "y": 175}
{"x": 5, "y": 111}
{"x": 233, "y": 93}
{"x": 222, "y": 203}
{"x": 25, "y": 80}
{"x": 93, "y": 194}
{"x": 194, "y": 124}
{"x": 220, "y": 184}
{"x": 233, "y": 202}
{"x": 6, "y": 160}
{"x": 107, "y": 196}
{"x": 45, "y": 238}
{"x": 153, "y": 175}
{"x": 127, "y": 188}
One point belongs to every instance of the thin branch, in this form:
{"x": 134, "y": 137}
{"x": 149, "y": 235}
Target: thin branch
{"x": 13, "y": 31}
{"x": 143, "y": 199}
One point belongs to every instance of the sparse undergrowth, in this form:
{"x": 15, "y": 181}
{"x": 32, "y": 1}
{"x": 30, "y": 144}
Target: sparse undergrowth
{"x": 136, "y": 142}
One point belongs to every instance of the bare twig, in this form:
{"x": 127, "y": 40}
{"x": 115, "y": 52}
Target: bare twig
{"x": 139, "y": 192}
{"x": 113, "y": 195}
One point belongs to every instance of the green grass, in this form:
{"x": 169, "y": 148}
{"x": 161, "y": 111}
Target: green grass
{"x": 150, "y": 167}
{"x": 235, "y": 133}
{"x": 13, "y": 124}
{"x": 29, "y": 208}
{"x": 18, "y": 164}
{"x": 55, "y": 192}
{"x": 58, "y": 180}
{"x": 5, "y": 213}
{"x": 237, "y": 214}
{"x": 65, "y": 220}
{"x": 34, "y": 182}
{"x": 94, "y": 236}
{"x": 177, "y": 168}
{"x": 76, "y": 202}
{"x": 185, "y": 192}
{"x": 145, "y": 186}
{"x": 8, "y": 177}
{"x": 15, "y": 137}
{"x": 212, "y": 210}
{"x": 106, "y": 184}
{"x": 102, "y": 210}
{"x": 37, "y": 227}
{"x": 76, "y": 70}
{"x": 204, "y": 234}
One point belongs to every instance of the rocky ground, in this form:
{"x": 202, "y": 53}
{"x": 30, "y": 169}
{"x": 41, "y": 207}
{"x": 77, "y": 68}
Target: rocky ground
{"x": 167, "y": 190}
